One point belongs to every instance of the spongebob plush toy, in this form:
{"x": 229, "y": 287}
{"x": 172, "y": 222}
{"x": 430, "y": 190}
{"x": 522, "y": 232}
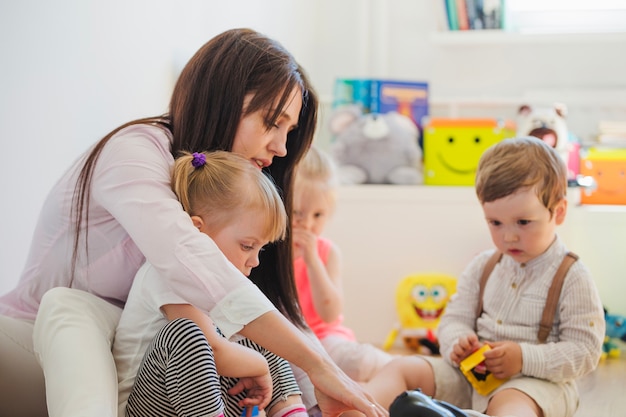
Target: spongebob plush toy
{"x": 420, "y": 301}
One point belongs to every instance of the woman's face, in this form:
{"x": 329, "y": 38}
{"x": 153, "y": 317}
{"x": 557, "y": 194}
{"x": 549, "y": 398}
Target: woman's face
{"x": 254, "y": 141}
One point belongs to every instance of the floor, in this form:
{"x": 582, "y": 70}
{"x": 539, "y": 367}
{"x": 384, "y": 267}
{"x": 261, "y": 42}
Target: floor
{"x": 603, "y": 392}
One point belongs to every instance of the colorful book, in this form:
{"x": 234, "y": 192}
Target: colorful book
{"x": 406, "y": 97}
{"x": 352, "y": 91}
{"x": 453, "y": 20}
{"x": 462, "y": 15}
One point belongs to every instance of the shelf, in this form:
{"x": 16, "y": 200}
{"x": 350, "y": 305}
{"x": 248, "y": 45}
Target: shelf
{"x": 494, "y": 37}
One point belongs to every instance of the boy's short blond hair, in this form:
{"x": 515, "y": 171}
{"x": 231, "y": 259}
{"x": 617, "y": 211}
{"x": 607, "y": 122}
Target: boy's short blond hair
{"x": 517, "y": 163}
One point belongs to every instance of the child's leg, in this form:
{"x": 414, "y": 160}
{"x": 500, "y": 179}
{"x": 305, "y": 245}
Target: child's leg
{"x": 401, "y": 374}
{"x": 177, "y": 376}
{"x": 360, "y": 361}
{"x": 512, "y": 402}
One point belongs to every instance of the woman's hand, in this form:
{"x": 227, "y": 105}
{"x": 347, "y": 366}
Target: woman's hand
{"x": 336, "y": 393}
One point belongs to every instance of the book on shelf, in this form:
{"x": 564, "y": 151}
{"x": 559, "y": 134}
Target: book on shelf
{"x": 474, "y": 14}
{"x": 461, "y": 14}
{"x": 611, "y": 133}
{"x": 374, "y": 95}
{"x": 409, "y": 98}
{"x": 352, "y": 91}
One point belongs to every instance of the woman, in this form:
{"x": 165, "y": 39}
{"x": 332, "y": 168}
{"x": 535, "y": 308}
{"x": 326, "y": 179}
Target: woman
{"x": 114, "y": 209}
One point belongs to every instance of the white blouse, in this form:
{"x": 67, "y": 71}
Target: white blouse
{"x": 133, "y": 216}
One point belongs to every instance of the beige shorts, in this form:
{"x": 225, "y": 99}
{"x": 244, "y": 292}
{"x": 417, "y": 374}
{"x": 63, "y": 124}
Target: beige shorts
{"x": 555, "y": 399}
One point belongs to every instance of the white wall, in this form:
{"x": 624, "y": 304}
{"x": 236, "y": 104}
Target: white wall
{"x": 73, "y": 69}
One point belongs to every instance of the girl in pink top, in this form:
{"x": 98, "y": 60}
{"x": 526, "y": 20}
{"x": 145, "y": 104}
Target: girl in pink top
{"x": 317, "y": 268}
{"x": 114, "y": 209}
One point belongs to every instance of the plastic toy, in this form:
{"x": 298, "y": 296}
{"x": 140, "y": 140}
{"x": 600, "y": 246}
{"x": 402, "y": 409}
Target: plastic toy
{"x": 615, "y": 330}
{"x": 610, "y": 348}
{"x": 473, "y": 368}
{"x": 546, "y": 123}
{"x": 417, "y": 404}
{"x": 421, "y": 299}
{"x": 616, "y": 326}
{"x": 255, "y": 411}
{"x": 607, "y": 167}
{"x": 452, "y": 147}
{"x": 375, "y": 148}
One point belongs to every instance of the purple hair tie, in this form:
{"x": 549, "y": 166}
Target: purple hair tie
{"x": 198, "y": 160}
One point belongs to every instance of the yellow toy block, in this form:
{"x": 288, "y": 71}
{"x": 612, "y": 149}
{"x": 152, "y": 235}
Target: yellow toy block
{"x": 483, "y": 382}
{"x": 452, "y": 147}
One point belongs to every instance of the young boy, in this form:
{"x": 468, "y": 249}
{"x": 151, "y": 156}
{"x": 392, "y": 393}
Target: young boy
{"x": 521, "y": 184}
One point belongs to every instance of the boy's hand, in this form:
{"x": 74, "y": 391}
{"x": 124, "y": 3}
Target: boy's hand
{"x": 504, "y": 360}
{"x": 258, "y": 391}
{"x": 464, "y": 347}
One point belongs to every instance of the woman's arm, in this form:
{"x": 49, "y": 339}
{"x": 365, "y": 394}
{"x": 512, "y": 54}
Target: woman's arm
{"x": 231, "y": 359}
{"x": 334, "y": 390}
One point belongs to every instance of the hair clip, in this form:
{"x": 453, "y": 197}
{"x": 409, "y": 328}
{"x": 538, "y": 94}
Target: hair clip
{"x": 198, "y": 160}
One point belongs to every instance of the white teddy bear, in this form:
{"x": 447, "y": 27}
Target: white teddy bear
{"x": 546, "y": 123}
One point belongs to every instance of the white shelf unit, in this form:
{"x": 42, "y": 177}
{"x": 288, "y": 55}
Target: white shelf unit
{"x": 495, "y": 36}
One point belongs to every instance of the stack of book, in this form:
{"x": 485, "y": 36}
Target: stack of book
{"x": 374, "y": 95}
{"x": 471, "y": 14}
{"x": 611, "y": 134}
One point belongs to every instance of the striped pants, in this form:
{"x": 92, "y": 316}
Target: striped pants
{"x": 178, "y": 377}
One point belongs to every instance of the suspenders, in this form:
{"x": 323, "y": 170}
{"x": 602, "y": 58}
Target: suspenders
{"x": 549, "y": 310}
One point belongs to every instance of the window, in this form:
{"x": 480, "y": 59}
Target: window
{"x": 565, "y": 16}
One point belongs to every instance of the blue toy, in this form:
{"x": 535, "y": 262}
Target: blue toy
{"x": 615, "y": 330}
{"x": 616, "y": 326}
{"x": 417, "y": 404}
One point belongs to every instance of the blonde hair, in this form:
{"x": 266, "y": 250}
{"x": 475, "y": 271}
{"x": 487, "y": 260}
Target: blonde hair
{"x": 224, "y": 188}
{"x": 317, "y": 166}
{"x": 517, "y": 163}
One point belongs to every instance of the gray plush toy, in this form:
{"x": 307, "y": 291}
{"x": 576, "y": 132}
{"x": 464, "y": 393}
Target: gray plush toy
{"x": 375, "y": 148}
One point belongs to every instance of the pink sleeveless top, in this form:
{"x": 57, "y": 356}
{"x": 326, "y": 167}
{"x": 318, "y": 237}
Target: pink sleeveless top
{"x": 317, "y": 325}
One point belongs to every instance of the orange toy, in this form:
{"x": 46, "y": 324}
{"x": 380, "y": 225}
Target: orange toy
{"x": 608, "y": 169}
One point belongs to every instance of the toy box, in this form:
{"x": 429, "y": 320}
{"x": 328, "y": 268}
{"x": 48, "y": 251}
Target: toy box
{"x": 607, "y": 167}
{"x": 452, "y": 147}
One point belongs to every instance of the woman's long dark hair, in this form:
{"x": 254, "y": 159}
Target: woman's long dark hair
{"x": 204, "y": 113}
